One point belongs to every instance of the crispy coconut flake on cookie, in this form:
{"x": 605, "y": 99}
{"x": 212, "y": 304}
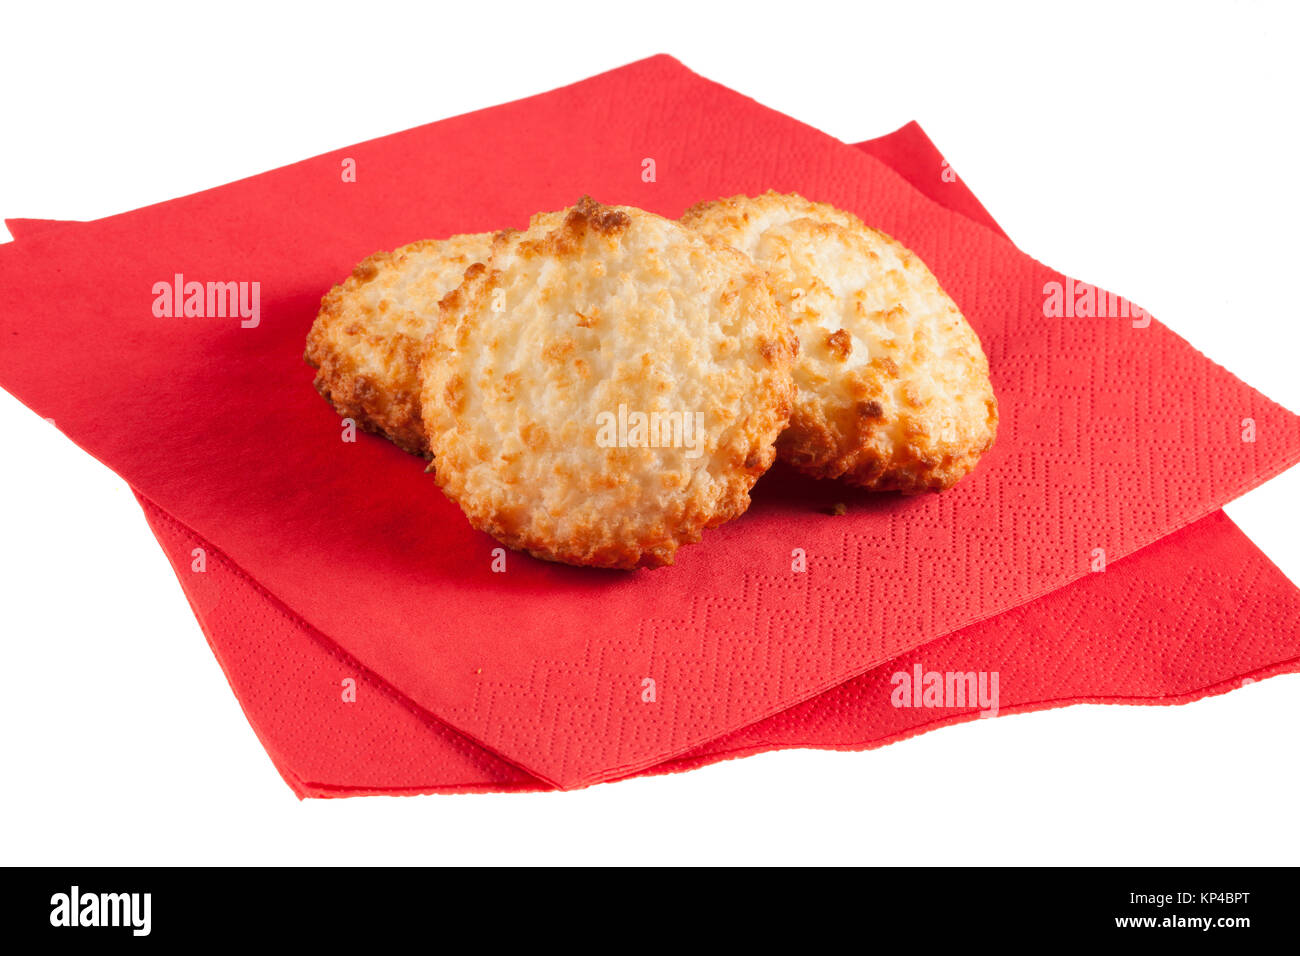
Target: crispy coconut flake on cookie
{"x": 893, "y": 388}
{"x": 369, "y": 335}
{"x": 606, "y": 386}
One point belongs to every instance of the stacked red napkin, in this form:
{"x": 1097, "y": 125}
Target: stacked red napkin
{"x": 1116, "y": 433}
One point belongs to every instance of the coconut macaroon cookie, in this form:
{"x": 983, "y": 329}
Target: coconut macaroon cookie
{"x": 608, "y": 385}
{"x": 893, "y": 387}
{"x": 369, "y": 335}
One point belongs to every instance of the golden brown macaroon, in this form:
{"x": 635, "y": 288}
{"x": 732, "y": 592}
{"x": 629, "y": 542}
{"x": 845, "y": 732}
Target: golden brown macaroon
{"x": 606, "y": 387}
{"x": 369, "y": 335}
{"x": 893, "y": 386}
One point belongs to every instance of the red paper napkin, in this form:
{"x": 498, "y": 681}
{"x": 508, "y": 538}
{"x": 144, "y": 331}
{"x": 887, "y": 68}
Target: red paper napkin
{"x": 1091, "y": 641}
{"x": 540, "y": 663}
{"x": 1201, "y": 612}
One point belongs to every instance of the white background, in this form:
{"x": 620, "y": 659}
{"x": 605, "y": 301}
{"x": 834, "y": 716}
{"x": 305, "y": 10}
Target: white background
{"x": 1149, "y": 151}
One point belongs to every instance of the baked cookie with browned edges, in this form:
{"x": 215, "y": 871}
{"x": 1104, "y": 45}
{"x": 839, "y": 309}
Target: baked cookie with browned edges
{"x": 369, "y": 335}
{"x": 893, "y": 389}
{"x": 606, "y": 386}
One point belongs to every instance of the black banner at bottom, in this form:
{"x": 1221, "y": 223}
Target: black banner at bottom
{"x": 1177, "y": 907}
